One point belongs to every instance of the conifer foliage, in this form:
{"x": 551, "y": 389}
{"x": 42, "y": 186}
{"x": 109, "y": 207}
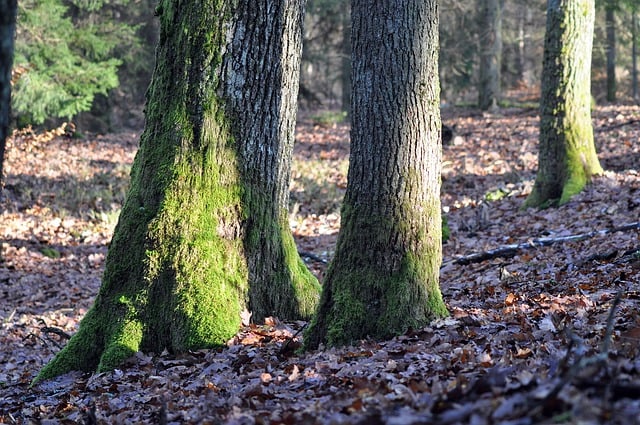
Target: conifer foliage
{"x": 64, "y": 57}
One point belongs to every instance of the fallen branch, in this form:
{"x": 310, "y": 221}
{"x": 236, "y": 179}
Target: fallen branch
{"x": 617, "y": 125}
{"x": 312, "y": 257}
{"x": 511, "y": 250}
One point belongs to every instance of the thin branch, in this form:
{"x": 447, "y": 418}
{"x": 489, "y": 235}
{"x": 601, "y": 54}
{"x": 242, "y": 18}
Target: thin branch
{"x": 512, "y": 249}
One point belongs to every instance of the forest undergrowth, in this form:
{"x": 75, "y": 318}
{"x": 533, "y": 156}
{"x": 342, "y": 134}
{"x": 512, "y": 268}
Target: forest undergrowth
{"x": 541, "y": 334}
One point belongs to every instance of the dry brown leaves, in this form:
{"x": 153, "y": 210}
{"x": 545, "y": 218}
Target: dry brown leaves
{"x": 525, "y": 342}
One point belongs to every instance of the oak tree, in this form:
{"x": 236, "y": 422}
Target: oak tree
{"x": 567, "y": 156}
{"x": 383, "y": 279}
{"x": 204, "y": 233}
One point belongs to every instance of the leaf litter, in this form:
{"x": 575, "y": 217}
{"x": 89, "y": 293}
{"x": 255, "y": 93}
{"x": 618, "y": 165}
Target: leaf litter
{"x": 544, "y": 335}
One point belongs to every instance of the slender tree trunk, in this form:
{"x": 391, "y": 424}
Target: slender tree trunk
{"x": 207, "y": 190}
{"x": 384, "y": 277}
{"x": 346, "y": 61}
{"x": 611, "y": 49}
{"x": 567, "y": 157}
{"x": 8, "y": 9}
{"x": 490, "y": 53}
{"x": 526, "y": 63}
{"x": 634, "y": 54}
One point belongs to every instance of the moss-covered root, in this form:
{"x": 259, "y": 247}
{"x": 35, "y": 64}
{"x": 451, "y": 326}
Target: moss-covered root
{"x": 304, "y": 284}
{"x": 100, "y": 344}
{"x": 356, "y": 304}
{"x": 281, "y": 285}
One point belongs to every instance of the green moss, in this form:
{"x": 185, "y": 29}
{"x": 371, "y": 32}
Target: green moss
{"x": 446, "y": 231}
{"x": 50, "y": 252}
{"x": 280, "y": 284}
{"x": 306, "y": 287}
{"x": 124, "y": 343}
{"x": 380, "y": 291}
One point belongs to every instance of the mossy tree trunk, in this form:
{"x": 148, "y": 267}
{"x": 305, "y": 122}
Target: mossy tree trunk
{"x": 203, "y": 233}
{"x": 490, "y": 20}
{"x": 262, "y": 68}
{"x": 8, "y": 9}
{"x": 567, "y": 156}
{"x": 384, "y": 277}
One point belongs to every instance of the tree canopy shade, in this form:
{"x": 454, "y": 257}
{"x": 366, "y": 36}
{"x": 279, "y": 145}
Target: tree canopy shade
{"x": 204, "y": 233}
{"x": 384, "y": 276}
{"x": 567, "y": 158}
{"x": 7, "y": 31}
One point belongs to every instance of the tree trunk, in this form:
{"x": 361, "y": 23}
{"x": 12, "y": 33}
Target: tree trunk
{"x": 384, "y": 277}
{"x": 208, "y": 190}
{"x": 346, "y": 61}
{"x": 526, "y": 59}
{"x": 611, "y": 49}
{"x": 567, "y": 158}
{"x": 8, "y": 9}
{"x": 280, "y": 283}
{"x": 490, "y": 53}
{"x": 634, "y": 54}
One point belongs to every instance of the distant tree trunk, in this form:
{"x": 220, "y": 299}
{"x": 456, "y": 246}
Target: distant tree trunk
{"x": 634, "y": 53}
{"x": 526, "y": 63}
{"x": 610, "y": 9}
{"x": 8, "y": 10}
{"x": 384, "y": 276}
{"x": 567, "y": 157}
{"x": 346, "y": 61}
{"x": 490, "y": 53}
{"x": 204, "y": 229}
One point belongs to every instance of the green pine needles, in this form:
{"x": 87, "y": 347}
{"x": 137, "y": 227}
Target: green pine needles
{"x": 64, "y": 55}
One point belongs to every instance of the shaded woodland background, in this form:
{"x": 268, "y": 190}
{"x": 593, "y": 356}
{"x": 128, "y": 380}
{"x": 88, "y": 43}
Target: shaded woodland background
{"x": 113, "y": 44}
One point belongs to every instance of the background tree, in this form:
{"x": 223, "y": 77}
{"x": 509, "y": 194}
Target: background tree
{"x": 611, "y": 7}
{"x": 323, "y": 76}
{"x": 208, "y": 190}
{"x": 384, "y": 276}
{"x": 7, "y": 31}
{"x": 567, "y": 158}
{"x": 634, "y": 53}
{"x": 490, "y": 25}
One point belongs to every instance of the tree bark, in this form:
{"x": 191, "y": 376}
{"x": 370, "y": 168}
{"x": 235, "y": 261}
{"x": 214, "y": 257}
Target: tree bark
{"x": 634, "y": 54}
{"x": 262, "y": 89}
{"x": 384, "y": 277}
{"x": 8, "y": 10}
{"x": 567, "y": 156}
{"x": 208, "y": 191}
{"x": 610, "y": 23}
{"x": 490, "y": 53}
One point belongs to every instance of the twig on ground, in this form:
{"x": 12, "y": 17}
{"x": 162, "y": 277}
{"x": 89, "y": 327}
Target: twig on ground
{"x": 511, "y": 250}
{"x": 312, "y": 257}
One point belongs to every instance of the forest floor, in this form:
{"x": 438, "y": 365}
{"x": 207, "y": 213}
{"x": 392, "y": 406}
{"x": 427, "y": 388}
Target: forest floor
{"x": 542, "y": 334}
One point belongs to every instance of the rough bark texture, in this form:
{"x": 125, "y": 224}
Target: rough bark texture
{"x": 490, "y": 53}
{"x": 262, "y": 87}
{"x": 8, "y": 10}
{"x": 384, "y": 278}
{"x": 206, "y": 190}
{"x": 567, "y": 157}
{"x": 610, "y": 23}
